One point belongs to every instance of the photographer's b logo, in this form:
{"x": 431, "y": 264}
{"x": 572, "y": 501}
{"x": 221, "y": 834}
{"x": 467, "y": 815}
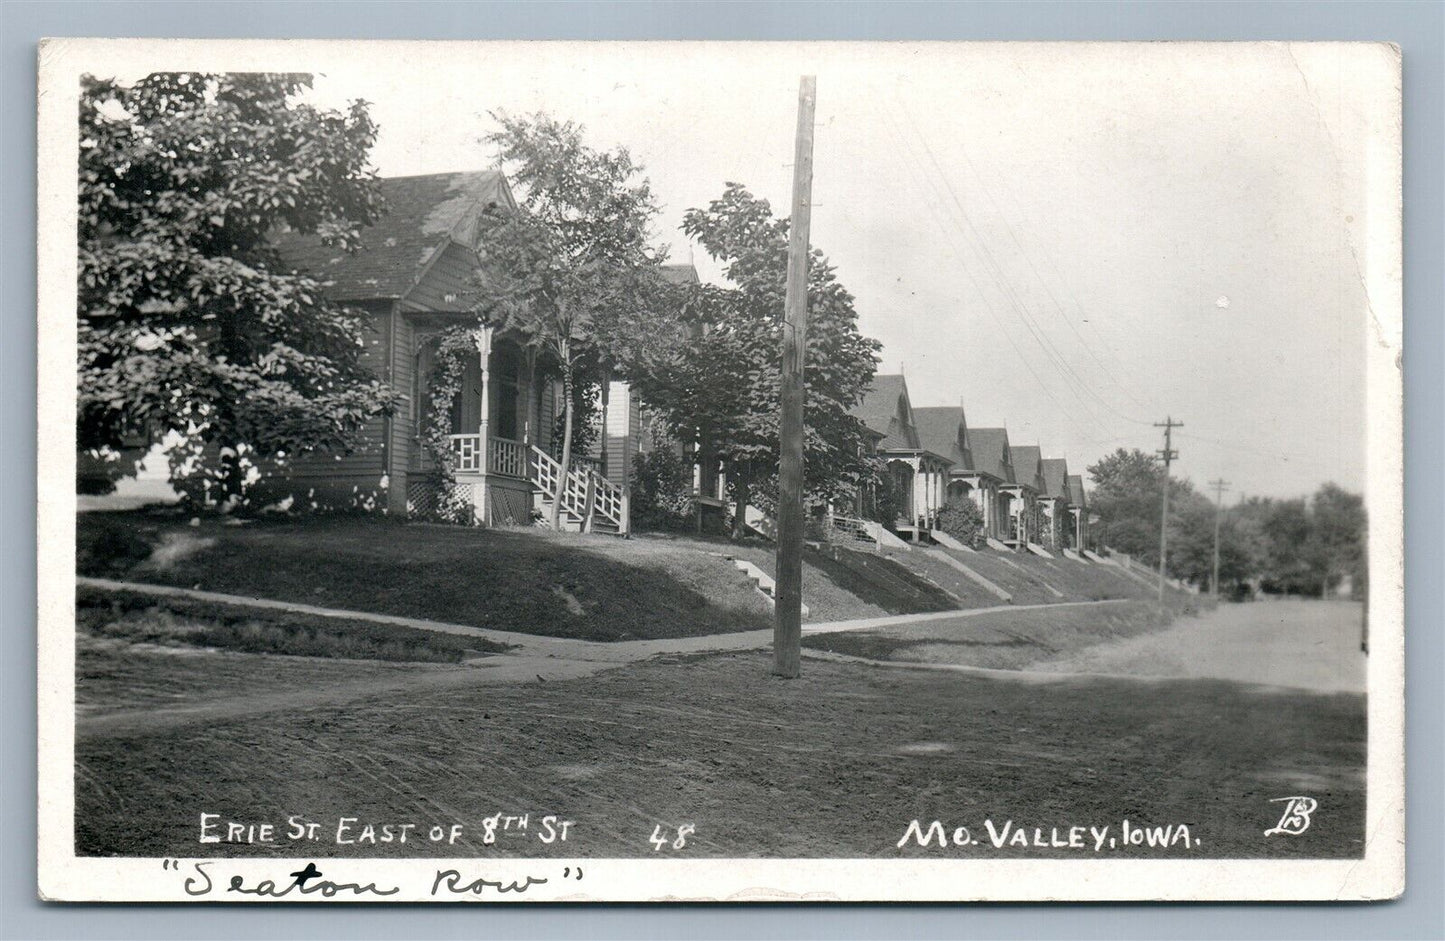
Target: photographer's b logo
{"x": 1296, "y": 817}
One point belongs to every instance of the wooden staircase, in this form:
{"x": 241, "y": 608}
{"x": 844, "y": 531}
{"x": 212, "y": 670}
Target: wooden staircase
{"x": 590, "y": 502}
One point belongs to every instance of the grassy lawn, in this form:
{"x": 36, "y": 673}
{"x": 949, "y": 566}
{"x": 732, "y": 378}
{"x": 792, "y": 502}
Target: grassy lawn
{"x": 834, "y": 764}
{"x": 181, "y": 622}
{"x": 553, "y": 584}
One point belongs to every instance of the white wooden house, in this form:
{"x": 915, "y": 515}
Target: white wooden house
{"x": 1026, "y": 490}
{"x": 919, "y": 476}
{"x": 989, "y": 480}
{"x": 1055, "y": 503}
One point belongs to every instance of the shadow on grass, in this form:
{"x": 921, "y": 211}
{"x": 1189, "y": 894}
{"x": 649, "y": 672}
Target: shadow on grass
{"x": 883, "y": 647}
{"x": 879, "y": 581}
{"x": 592, "y": 588}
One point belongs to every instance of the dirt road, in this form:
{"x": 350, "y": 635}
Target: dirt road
{"x": 834, "y": 764}
{"x": 1312, "y": 645}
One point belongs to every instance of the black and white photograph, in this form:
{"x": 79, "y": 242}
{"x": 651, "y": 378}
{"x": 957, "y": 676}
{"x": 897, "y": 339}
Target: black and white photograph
{"x": 520, "y": 471}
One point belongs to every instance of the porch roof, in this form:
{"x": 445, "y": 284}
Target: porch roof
{"x": 1076, "y": 490}
{"x": 423, "y": 215}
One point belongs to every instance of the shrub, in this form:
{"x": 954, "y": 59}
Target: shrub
{"x": 662, "y": 497}
{"x": 962, "y": 519}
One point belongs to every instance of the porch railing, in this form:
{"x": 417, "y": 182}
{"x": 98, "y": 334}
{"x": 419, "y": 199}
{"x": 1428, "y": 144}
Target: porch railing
{"x": 583, "y": 485}
{"x": 467, "y": 453}
{"x": 505, "y": 457}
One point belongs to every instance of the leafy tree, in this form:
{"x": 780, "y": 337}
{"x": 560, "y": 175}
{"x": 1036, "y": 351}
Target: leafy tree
{"x": 1337, "y": 536}
{"x": 575, "y": 254}
{"x": 717, "y": 377}
{"x": 1126, "y": 495}
{"x": 188, "y": 322}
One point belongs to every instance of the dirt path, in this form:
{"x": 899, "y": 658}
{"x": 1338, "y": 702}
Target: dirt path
{"x": 531, "y": 660}
{"x": 532, "y": 645}
{"x": 1312, "y": 645}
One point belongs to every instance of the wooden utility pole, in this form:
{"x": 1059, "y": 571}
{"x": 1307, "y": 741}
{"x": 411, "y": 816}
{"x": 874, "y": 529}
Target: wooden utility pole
{"x": 1168, "y": 454}
{"x": 1219, "y": 486}
{"x": 788, "y": 594}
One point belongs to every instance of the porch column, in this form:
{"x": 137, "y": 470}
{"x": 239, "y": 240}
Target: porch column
{"x": 481, "y": 510}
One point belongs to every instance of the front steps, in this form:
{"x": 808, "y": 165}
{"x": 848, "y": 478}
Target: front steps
{"x": 762, "y": 581}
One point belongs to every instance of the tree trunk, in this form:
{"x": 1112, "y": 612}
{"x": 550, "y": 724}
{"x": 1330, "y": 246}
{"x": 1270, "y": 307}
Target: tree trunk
{"x": 566, "y": 446}
{"x": 232, "y": 480}
{"x": 744, "y": 487}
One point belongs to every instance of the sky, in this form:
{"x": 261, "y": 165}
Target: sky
{"x": 1074, "y": 240}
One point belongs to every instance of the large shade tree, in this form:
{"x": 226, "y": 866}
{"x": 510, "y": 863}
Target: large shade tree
{"x": 189, "y": 325}
{"x": 574, "y": 254}
{"x": 716, "y": 377}
{"x": 1126, "y": 496}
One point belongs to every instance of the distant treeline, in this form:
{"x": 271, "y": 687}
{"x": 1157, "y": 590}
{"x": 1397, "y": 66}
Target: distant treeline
{"x": 1312, "y": 546}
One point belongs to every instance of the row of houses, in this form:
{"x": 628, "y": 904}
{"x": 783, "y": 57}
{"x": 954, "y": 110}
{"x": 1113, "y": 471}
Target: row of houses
{"x": 411, "y": 280}
{"x": 933, "y": 457}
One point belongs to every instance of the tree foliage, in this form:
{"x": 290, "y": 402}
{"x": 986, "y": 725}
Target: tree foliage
{"x": 1289, "y": 546}
{"x": 575, "y": 254}
{"x": 188, "y": 322}
{"x": 713, "y": 371}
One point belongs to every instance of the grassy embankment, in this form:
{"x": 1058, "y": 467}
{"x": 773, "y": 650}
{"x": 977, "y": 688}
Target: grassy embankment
{"x": 530, "y": 581}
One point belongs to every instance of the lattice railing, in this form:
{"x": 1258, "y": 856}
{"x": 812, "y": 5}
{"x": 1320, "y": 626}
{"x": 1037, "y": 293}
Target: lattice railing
{"x": 467, "y": 452}
{"x": 506, "y": 457}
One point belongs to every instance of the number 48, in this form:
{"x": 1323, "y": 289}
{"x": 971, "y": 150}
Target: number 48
{"x": 659, "y": 839}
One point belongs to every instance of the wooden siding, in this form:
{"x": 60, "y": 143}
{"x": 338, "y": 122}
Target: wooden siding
{"x": 405, "y": 427}
{"x": 366, "y": 461}
{"x": 620, "y": 439}
{"x": 446, "y": 284}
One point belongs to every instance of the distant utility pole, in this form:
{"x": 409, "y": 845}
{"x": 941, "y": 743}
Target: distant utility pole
{"x": 1219, "y": 486}
{"x": 1168, "y": 454}
{"x": 788, "y": 595}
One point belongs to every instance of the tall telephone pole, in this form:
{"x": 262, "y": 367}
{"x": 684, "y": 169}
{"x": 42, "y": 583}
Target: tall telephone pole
{"x": 788, "y": 595}
{"x": 1168, "y": 454}
{"x": 1219, "y": 486}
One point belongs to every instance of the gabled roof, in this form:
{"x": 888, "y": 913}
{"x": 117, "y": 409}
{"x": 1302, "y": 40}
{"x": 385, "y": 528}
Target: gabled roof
{"x": 1025, "y": 459}
{"x": 1076, "y": 490}
{"x": 943, "y": 430}
{"x": 680, "y": 272}
{"x": 886, "y": 410}
{"x": 990, "y": 450}
{"x": 1055, "y": 471}
{"x": 423, "y": 214}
